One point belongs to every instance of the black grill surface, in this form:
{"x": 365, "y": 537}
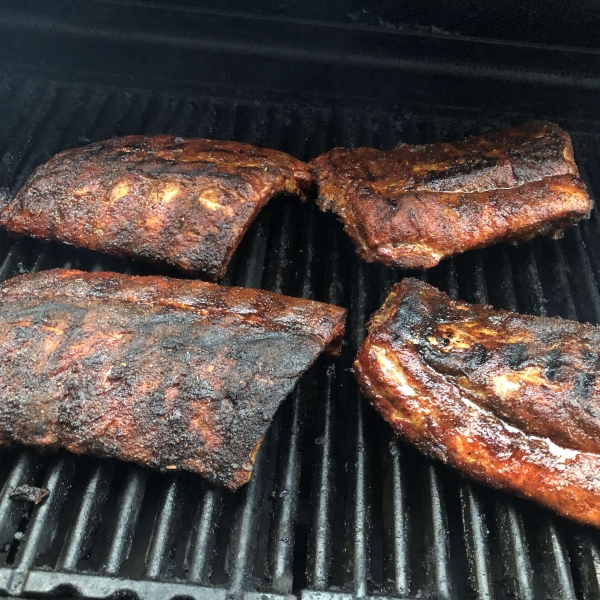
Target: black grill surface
{"x": 336, "y": 508}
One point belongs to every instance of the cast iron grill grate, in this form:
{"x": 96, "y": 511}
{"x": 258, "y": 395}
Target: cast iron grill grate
{"x": 336, "y": 506}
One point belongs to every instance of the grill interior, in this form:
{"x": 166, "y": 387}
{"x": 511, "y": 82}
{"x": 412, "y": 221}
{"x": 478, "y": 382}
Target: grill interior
{"x": 336, "y": 506}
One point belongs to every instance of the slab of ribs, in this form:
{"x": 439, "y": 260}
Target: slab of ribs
{"x": 180, "y": 202}
{"x": 167, "y": 373}
{"x": 512, "y": 401}
{"x": 412, "y": 206}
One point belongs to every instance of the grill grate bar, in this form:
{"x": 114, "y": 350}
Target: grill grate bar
{"x": 88, "y": 516}
{"x": 514, "y": 551}
{"x": 475, "y": 527}
{"x": 557, "y": 571}
{"x": 162, "y": 530}
{"x": 527, "y": 275}
{"x": 205, "y": 525}
{"x": 588, "y": 563}
{"x": 320, "y": 554}
{"x": 157, "y": 115}
{"x": 358, "y": 131}
{"x": 586, "y": 559}
{"x": 320, "y": 544}
{"x": 205, "y": 116}
{"x": 399, "y": 524}
{"x": 246, "y": 522}
{"x": 588, "y": 233}
{"x": 126, "y": 519}
{"x": 180, "y": 122}
{"x": 280, "y": 254}
{"x": 11, "y": 262}
{"x": 361, "y": 511}
{"x": 136, "y": 115}
{"x": 283, "y": 528}
{"x": 476, "y": 540}
{"x": 438, "y": 550}
{"x": 560, "y": 294}
{"x": 113, "y": 114}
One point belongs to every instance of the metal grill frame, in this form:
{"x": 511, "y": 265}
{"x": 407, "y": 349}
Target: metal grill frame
{"x": 337, "y": 508}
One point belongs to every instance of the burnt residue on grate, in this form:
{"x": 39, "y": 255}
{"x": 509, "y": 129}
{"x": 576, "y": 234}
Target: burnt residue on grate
{"x": 336, "y": 504}
{"x": 29, "y": 493}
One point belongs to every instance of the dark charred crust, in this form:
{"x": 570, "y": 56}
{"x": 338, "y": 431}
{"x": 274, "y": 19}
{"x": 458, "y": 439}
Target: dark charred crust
{"x": 510, "y": 400}
{"x": 476, "y": 356}
{"x": 453, "y": 175}
{"x": 168, "y": 373}
{"x": 514, "y": 355}
{"x": 414, "y": 205}
{"x": 553, "y": 362}
{"x": 168, "y": 200}
{"x": 584, "y": 388}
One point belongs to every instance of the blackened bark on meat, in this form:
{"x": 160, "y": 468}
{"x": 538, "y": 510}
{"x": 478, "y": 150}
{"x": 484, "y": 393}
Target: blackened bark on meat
{"x": 167, "y": 373}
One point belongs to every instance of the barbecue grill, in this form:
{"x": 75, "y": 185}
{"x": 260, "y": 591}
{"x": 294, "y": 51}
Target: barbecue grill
{"x": 337, "y": 508}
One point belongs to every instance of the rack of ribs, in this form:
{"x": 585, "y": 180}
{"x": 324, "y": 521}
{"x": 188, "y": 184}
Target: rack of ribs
{"x": 167, "y": 373}
{"x": 180, "y": 202}
{"x": 412, "y": 206}
{"x": 512, "y": 401}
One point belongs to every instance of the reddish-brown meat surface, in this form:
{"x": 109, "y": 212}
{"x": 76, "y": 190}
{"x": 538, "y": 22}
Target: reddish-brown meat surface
{"x": 512, "y": 401}
{"x": 163, "y": 372}
{"x": 168, "y": 200}
{"x": 414, "y": 205}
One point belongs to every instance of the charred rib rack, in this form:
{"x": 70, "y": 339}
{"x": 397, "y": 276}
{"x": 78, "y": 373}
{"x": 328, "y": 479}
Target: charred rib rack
{"x": 510, "y": 400}
{"x": 412, "y": 206}
{"x": 167, "y": 373}
{"x": 164, "y": 199}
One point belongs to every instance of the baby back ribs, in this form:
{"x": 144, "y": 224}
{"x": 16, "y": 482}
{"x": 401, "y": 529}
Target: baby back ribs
{"x": 511, "y": 401}
{"x": 163, "y": 372}
{"x": 414, "y": 205}
{"x": 163, "y": 199}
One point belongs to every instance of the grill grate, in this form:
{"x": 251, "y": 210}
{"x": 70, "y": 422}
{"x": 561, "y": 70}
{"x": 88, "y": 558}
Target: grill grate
{"x": 336, "y": 507}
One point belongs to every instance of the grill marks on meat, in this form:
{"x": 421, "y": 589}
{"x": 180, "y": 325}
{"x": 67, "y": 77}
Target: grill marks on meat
{"x": 163, "y": 199}
{"x": 163, "y": 372}
{"x": 512, "y": 401}
{"x": 414, "y": 205}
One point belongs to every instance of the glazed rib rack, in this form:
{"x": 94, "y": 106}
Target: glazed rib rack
{"x": 335, "y": 503}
